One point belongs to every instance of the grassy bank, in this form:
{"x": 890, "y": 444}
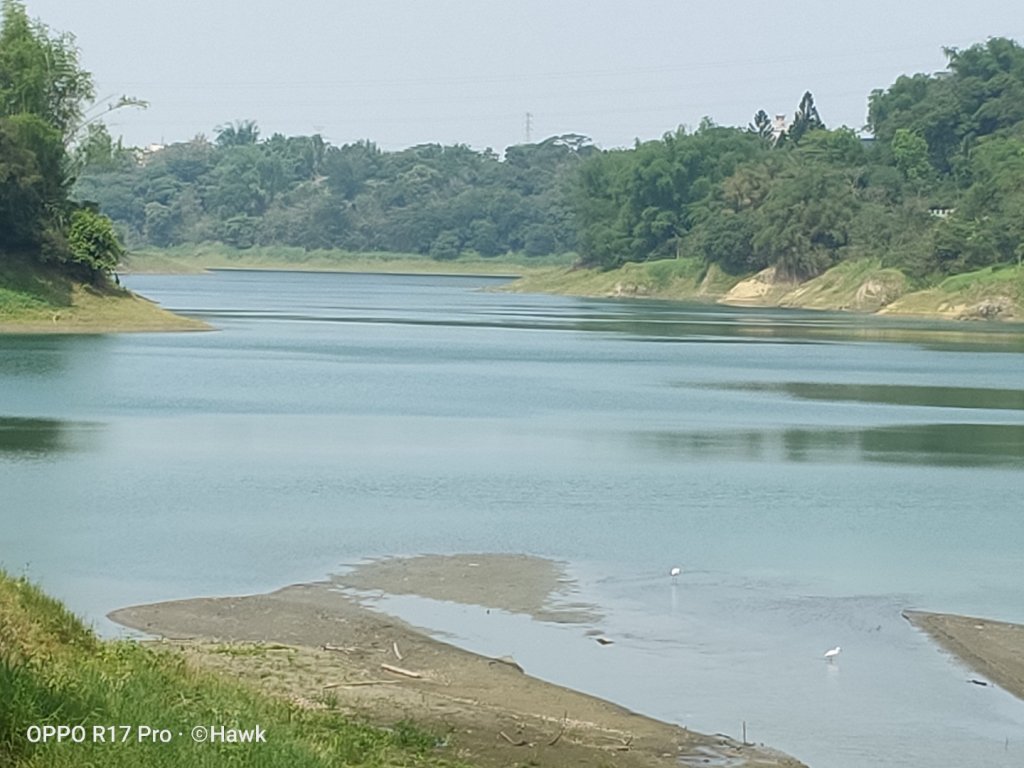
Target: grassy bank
{"x": 995, "y": 293}
{"x": 54, "y": 671}
{"x": 190, "y": 259}
{"x": 35, "y": 299}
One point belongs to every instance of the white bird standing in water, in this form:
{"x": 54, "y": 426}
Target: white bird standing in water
{"x": 831, "y": 654}
{"x": 674, "y": 573}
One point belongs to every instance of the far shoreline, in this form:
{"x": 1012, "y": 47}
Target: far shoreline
{"x": 860, "y": 289}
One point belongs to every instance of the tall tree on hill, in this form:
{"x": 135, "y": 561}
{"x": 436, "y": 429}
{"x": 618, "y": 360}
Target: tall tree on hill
{"x": 238, "y": 134}
{"x": 762, "y": 126}
{"x": 40, "y": 74}
{"x": 806, "y": 119}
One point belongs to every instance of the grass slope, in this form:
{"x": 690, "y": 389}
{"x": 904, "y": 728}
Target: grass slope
{"x": 863, "y": 286}
{"x": 54, "y": 671}
{"x": 993, "y": 293}
{"x": 35, "y": 299}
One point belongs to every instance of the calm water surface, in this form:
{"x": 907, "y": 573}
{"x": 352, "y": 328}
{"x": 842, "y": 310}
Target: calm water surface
{"x": 813, "y": 473}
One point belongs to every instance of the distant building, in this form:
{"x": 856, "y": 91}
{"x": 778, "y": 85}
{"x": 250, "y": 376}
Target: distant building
{"x": 144, "y": 154}
{"x": 778, "y": 128}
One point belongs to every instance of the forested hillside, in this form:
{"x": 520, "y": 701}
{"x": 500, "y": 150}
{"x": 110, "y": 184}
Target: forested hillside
{"x": 299, "y": 191}
{"x": 938, "y": 190}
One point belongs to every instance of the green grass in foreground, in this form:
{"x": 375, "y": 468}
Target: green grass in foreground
{"x": 54, "y": 671}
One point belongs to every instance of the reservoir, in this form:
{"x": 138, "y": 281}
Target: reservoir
{"x": 813, "y": 474}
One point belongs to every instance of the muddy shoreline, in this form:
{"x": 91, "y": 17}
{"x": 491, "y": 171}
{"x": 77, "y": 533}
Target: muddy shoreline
{"x": 992, "y": 650}
{"x": 318, "y": 645}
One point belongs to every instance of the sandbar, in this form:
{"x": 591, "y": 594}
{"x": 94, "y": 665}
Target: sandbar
{"x": 318, "y": 645}
{"x": 991, "y": 649}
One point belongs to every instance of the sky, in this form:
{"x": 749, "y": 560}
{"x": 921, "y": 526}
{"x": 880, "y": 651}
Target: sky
{"x": 401, "y": 72}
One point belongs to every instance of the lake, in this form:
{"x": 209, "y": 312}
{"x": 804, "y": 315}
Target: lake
{"x": 812, "y": 473}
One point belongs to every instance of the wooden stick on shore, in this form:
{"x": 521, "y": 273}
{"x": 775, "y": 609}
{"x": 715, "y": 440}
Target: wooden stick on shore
{"x": 400, "y": 671}
{"x": 354, "y": 683}
{"x": 339, "y": 648}
{"x": 565, "y": 720}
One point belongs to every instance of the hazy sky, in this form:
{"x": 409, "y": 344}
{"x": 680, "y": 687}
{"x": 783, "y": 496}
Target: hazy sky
{"x": 401, "y": 73}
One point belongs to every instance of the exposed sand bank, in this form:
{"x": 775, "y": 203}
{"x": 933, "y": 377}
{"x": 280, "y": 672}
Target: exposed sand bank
{"x": 317, "y": 644}
{"x": 992, "y": 649}
{"x": 515, "y": 583}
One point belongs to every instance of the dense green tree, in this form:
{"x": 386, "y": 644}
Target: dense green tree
{"x": 93, "y": 245}
{"x": 40, "y": 74}
{"x": 43, "y": 95}
{"x": 23, "y": 191}
{"x": 987, "y": 226}
{"x": 910, "y": 155}
{"x": 761, "y": 126}
{"x": 446, "y": 246}
{"x": 982, "y": 93}
{"x": 161, "y": 224}
{"x": 726, "y": 237}
{"x": 241, "y": 133}
{"x": 350, "y": 167}
{"x": 805, "y": 120}
{"x": 637, "y": 205}
{"x": 805, "y": 219}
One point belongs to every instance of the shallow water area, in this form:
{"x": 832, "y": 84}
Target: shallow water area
{"x": 720, "y": 657}
{"x": 812, "y": 473}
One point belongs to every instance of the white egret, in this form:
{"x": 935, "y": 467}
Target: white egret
{"x": 674, "y": 573}
{"x": 831, "y": 653}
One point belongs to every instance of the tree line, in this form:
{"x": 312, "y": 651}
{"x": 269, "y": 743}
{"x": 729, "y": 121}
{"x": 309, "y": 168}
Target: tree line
{"x": 938, "y": 188}
{"x": 300, "y": 191}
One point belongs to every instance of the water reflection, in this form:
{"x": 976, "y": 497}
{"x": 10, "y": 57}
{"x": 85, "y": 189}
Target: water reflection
{"x": 476, "y": 302}
{"x": 948, "y": 445}
{"x": 40, "y": 437}
{"x": 676, "y": 321}
{"x": 22, "y": 356}
{"x": 889, "y": 394}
